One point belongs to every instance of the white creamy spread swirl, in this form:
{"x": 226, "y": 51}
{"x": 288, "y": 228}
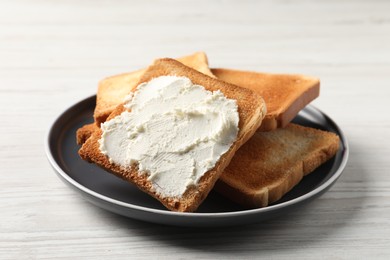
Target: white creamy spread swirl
{"x": 175, "y": 130}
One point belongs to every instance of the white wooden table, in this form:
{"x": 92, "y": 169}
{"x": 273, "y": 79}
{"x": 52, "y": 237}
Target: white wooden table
{"x": 52, "y": 54}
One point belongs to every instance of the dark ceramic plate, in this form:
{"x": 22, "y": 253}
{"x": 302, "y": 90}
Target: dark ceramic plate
{"x": 116, "y": 195}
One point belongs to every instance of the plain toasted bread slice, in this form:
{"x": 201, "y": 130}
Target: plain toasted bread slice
{"x": 251, "y": 109}
{"x": 112, "y": 90}
{"x": 272, "y": 163}
{"x": 285, "y": 95}
{"x": 84, "y": 132}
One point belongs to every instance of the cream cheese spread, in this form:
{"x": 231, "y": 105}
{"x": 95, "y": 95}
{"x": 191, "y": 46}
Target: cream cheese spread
{"x": 174, "y": 130}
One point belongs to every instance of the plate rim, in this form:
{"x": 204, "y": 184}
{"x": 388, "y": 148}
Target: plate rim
{"x": 316, "y": 191}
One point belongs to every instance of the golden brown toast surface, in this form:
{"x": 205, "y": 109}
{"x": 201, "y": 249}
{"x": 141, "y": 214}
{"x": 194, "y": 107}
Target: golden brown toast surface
{"x": 112, "y": 90}
{"x": 271, "y": 163}
{"x": 251, "y": 109}
{"x": 84, "y": 132}
{"x": 285, "y": 95}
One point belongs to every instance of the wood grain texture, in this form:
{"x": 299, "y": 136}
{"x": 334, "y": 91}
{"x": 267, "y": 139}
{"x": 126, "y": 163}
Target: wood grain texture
{"x": 53, "y": 53}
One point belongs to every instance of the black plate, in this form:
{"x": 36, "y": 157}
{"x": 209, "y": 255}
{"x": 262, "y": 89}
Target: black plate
{"x": 116, "y": 195}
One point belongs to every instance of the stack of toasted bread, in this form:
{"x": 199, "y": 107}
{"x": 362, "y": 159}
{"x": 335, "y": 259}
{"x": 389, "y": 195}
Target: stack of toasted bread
{"x": 269, "y": 156}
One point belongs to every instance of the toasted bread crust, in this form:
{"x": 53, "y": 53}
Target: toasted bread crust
{"x": 251, "y": 109}
{"x": 272, "y": 163}
{"x": 83, "y": 133}
{"x": 285, "y": 95}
